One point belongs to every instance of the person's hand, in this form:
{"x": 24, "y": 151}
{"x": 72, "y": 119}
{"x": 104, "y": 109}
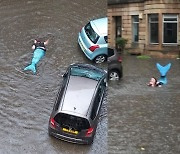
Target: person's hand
{"x": 46, "y": 42}
{"x": 33, "y": 47}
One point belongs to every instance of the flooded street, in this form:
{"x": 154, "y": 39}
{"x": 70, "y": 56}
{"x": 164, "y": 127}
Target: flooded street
{"x": 142, "y": 119}
{"x": 27, "y": 99}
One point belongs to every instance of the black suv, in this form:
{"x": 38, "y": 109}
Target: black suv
{"x": 115, "y": 69}
{"x": 76, "y": 110}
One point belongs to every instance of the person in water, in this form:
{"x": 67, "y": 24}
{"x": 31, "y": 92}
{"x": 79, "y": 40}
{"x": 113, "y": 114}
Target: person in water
{"x": 39, "y": 44}
{"x": 154, "y": 83}
{"x": 39, "y": 51}
{"x": 163, "y": 76}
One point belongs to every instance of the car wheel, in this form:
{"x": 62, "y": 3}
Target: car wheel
{"x": 100, "y": 59}
{"x": 114, "y": 75}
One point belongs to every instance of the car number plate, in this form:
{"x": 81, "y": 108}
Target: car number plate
{"x": 70, "y": 131}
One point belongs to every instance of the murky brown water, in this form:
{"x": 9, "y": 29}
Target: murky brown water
{"x": 142, "y": 119}
{"x": 26, "y": 100}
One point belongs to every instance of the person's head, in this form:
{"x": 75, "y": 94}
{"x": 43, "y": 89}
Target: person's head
{"x": 36, "y": 41}
{"x": 153, "y": 81}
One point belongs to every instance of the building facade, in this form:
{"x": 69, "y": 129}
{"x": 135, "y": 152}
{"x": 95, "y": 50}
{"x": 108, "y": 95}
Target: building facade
{"x": 151, "y": 26}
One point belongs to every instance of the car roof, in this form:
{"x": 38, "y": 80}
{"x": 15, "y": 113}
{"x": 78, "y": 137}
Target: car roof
{"x": 78, "y": 96}
{"x": 100, "y": 25}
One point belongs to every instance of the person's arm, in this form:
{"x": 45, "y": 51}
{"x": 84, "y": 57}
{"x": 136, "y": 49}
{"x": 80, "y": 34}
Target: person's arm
{"x": 46, "y": 42}
{"x": 34, "y": 46}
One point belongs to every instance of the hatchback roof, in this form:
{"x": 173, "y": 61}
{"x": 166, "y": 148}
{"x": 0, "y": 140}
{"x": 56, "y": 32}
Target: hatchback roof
{"x": 78, "y": 95}
{"x": 100, "y": 26}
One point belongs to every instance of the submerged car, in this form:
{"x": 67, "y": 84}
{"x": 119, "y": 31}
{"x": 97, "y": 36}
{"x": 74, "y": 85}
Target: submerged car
{"x": 76, "y": 110}
{"x": 92, "y": 40}
{"x": 115, "y": 69}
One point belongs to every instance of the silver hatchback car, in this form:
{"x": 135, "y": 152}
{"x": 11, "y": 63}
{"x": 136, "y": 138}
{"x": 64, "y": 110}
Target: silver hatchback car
{"x": 76, "y": 110}
{"x": 92, "y": 40}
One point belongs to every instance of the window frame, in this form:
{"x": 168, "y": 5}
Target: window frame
{"x": 133, "y": 23}
{"x": 118, "y": 24}
{"x": 149, "y": 24}
{"x": 163, "y": 22}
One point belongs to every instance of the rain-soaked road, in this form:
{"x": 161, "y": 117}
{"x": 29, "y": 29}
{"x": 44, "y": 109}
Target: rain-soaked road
{"x": 26, "y": 100}
{"x": 142, "y": 119}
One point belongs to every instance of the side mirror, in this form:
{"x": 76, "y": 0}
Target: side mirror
{"x": 105, "y": 82}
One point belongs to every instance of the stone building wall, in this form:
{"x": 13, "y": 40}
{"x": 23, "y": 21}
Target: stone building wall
{"x": 126, "y": 10}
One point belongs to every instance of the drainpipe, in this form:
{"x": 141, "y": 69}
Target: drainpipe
{"x": 144, "y": 52}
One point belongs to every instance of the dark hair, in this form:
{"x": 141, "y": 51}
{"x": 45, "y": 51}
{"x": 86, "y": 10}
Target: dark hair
{"x": 38, "y": 41}
{"x": 154, "y": 79}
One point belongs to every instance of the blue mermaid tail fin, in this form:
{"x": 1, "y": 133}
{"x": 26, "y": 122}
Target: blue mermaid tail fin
{"x": 163, "y": 69}
{"x": 163, "y": 72}
{"x": 31, "y": 67}
{"x": 37, "y": 55}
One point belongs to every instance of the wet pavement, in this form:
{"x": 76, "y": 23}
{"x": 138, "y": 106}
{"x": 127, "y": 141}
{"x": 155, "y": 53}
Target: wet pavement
{"x": 142, "y": 119}
{"x": 26, "y": 100}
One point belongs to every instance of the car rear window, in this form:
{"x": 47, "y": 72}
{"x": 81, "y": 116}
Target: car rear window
{"x": 85, "y": 72}
{"x": 92, "y": 35}
{"x": 66, "y": 121}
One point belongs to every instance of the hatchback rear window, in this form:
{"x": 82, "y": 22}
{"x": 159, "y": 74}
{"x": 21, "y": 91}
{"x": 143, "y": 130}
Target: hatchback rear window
{"x": 70, "y": 121}
{"x": 92, "y": 35}
{"x": 110, "y": 52}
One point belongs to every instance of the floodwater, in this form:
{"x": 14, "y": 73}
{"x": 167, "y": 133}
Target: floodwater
{"x": 142, "y": 119}
{"x": 26, "y": 100}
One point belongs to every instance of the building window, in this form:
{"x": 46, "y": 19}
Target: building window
{"x": 153, "y": 28}
{"x": 135, "y": 27}
{"x": 118, "y": 26}
{"x": 170, "y": 24}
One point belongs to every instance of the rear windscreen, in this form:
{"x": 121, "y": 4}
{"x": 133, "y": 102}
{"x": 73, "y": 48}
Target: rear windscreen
{"x": 110, "y": 52}
{"x": 92, "y": 35}
{"x": 70, "y": 121}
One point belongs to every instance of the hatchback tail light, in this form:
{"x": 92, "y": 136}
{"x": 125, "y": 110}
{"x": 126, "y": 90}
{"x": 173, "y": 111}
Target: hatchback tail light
{"x": 89, "y": 131}
{"x": 52, "y": 121}
{"x": 94, "y": 47}
{"x": 119, "y": 59}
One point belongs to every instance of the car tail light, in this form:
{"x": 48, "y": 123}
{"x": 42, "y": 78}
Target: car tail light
{"x": 89, "y": 131}
{"x": 119, "y": 59}
{"x": 94, "y": 47}
{"x": 52, "y": 121}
